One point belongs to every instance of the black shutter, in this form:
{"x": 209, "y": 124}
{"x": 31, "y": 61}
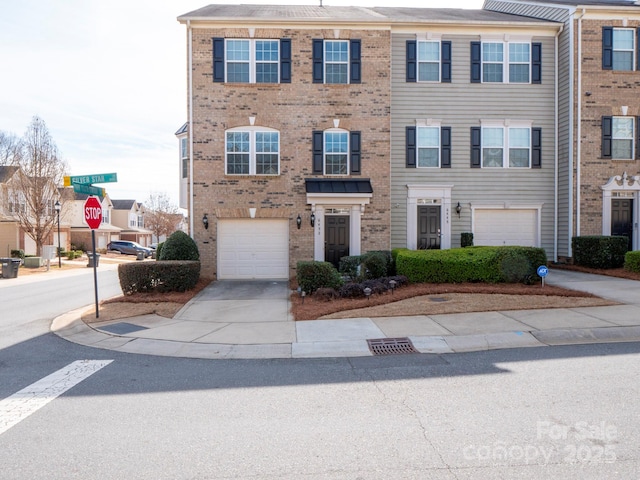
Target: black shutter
{"x": 318, "y": 152}
{"x": 355, "y": 53}
{"x": 476, "y": 62}
{"x": 218, "y": 59}
{"x": 607, "y": 48}
{"x": 411, "y": 147}
{"x": 607, "y": 134}
{"x": 318, "y": 67}
{"x": 476, "y": 147}
{"x": 536, "y": 148}
{"x": 536, "y": 63}
{"x": 285, "y": 60}
{"x": 354, "y": 147}
{"x": 445, "y": 147}
{"x": 412, "y": 61}
{"x": 445, "y": 66}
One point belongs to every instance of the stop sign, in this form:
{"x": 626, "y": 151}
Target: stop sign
{"x": 92, "y": 212}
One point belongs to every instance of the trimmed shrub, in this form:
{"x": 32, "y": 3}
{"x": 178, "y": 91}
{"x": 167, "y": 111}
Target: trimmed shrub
{"x": 314, "y": 275}
{"x": 159, "y": 250}
{"x": 632, "y": 261}
{"x": 351, "y": 290}
{"x": 180, "y": 246}
{"x": 389, "y": 260}
{"x": 325, "y": 294}
{"x": 349, "y": 266}
{"x": 400, "y": 280}
{"x": 375, "y": 265}
{"x": 164, "y": 276}
{"x": 17, "y": 254}
{"x": 466, "y": 239}
{"x": 470, "y": 264}
{"x": 377, "y": 285}
{"x": 599, "y": 251}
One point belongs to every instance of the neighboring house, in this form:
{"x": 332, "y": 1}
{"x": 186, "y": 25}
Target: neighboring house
{"x": 11, "y": 236}
{"x": 128, "y": 215}
{"x": 290, "y": 128}
{"x": 598, "y": 113}
{"x": 80, "y": 232}
{"x": 183, "y": 139}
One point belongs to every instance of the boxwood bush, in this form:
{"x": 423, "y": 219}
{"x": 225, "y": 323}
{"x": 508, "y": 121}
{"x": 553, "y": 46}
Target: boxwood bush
{"x": 161, "y": 276}
{"x": 632, "y": 261}
{"x": 470, "y": 264}
{"x": 179, "y": 246}
{"x": 599, "y": 251}
{"x": 314, "y": 275}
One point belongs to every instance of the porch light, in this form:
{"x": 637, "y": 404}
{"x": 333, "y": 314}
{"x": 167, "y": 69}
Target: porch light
{"x": 313, "y": 219}
{"x": 458, "y": 209}
{"x": 205, "y": 221}
{"x": 299, "y": 221}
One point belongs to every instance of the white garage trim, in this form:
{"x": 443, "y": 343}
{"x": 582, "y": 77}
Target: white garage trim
{"x": 506, "y": 224}
{"x": 253, "y": 248}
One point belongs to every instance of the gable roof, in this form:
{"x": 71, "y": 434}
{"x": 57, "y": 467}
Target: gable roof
{"x": 123, "y": 204}
{"x": 7, "y": 172}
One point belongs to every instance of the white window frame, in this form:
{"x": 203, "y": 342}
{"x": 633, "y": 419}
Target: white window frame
{"x": 626, "y": 139}
{"x": 506, "y": 42}
{"x": 439, "y": 61}
{"x": 509, "y": 62}
{"x": 252, "y": 62}
{"x": 506, "y": 127}
{"x": 252, "y": 131}
{"x": 418, "y": 146}
{"x": 633, "y": 49}
{"x": 325, "y": 153}
{"x": 326, "y": 62}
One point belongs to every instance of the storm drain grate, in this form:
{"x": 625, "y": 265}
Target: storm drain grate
{"x": 437, "y": 299}
{"x": 391, "y": 346}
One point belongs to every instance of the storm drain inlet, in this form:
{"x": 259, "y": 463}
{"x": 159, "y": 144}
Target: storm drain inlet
{"x": 391, "y": 346}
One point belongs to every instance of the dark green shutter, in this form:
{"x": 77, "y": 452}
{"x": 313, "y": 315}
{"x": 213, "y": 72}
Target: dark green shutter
{"x": 536, "y": 148}
{"x": 536, "y": 63}
{"x": 445, "y": 66}
{"x": 476, "y": 147}
{"x": 445, "y": 147}
{"x": 476, "y": 62}
{"x": 218, "y": 59}
{"x": 354, "y": 147}
{"x": 410, "y": 145}
{"x": 412, "y": 59}
{"x": 318, "y": 152}
{"x": 607, "y": 48}
{"x": 285, "y": 60}
{"x": 607, "y": 136}
{"x": 355, "y": 52}
{"x": 318, "y": 63}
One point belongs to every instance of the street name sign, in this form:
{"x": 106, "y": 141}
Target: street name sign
{"x": 88, "y": 189}
{"x": 91, "y": 179}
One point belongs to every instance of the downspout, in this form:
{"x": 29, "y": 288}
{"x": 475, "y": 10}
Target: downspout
{"x": 190, "y": 126}
{"x": 557, "y": 144}
{"x": 579, "y": 122}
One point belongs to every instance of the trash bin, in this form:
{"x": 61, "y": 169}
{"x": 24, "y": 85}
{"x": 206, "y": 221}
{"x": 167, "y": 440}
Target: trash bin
{"x": 10, "y": 267}
{"x": 140, "y": 255}
{"x": 90, "y": 255}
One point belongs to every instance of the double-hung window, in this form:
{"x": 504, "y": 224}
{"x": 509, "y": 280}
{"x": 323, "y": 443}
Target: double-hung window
{"x": 502, "y": 146}
{"x": 428, "y": 60}
{"x": 428, "y": 146}
{"x": 336, "y": 152}
{"x": 252, "y": 151}
{"x": 252, "y": 60}
{"x": 618, "y": 134}
{"x": 620, "y": 48}
{"x": 506, "y": 62}
{"x": 336, "y": 61}
{"x": 184, "y": 156}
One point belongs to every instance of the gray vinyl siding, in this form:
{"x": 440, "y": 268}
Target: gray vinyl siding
{"x": 461, "y": 105}
{"x": 563, "y": 15}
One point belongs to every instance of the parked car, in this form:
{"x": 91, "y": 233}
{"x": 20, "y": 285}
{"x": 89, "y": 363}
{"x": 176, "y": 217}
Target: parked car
{"x": 128, "y": 248}
{"x": 153, "y": 246}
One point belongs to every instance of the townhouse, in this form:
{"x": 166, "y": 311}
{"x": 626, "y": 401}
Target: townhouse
{"x": 598, "y": 112}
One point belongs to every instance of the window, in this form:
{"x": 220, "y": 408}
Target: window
{"x": 428, "y": 147}
{"x": 252, "y": 152}
{"x": 506, "y": 62}
{"x": 336, "y": 152}
{"x": 252, "y": 61}
{"x": 428, "y": 61}
{"x": 506, "y": 147}
{"x": 184, "y": 156}
{"x": 618, "y": 135}
{"x": 619, "y": 48}
{"x": 336, "y": 61}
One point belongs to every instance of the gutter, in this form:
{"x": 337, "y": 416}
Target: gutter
{"x": 556, "y": 153}
{"x": 579, "y": 122}
{"x": 190, "y": 95}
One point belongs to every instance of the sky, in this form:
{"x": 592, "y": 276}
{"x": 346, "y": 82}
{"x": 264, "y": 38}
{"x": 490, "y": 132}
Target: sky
{"x": 109, "y": 79}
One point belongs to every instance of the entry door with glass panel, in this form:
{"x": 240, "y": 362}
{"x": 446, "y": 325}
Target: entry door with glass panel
{"x": 336, "y": 238}
{"x": 429, "y": 228}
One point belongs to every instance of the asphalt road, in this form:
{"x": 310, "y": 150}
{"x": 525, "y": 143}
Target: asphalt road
{"x": 556, "y": 412}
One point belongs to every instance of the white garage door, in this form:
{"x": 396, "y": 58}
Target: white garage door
{"x": 506, "y": 227}
{"x": 253, "y": 249}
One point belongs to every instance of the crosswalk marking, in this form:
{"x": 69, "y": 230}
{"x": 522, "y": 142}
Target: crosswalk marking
{"x": 21, "y": 404}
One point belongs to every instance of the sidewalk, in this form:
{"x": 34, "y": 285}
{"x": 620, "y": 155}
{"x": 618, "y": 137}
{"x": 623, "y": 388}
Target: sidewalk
{"x": 252, "y": 320}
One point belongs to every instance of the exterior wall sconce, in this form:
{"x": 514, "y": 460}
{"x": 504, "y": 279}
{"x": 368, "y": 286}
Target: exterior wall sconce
{"x": 205, "y": 221}
{"x": 458, "y": 209}
{"x": 313, "y": 219}
{"x": 299, "y": 221}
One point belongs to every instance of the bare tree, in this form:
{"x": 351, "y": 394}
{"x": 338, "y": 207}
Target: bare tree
{"x": 161, "y": 216}
{"x": 34, "y": 191}
{"x": 9, "y": 146}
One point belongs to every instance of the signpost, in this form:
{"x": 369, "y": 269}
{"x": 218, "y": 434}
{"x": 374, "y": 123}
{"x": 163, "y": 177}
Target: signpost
{"x": 93, "y": 216}
{"x": 542, "y": 271}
